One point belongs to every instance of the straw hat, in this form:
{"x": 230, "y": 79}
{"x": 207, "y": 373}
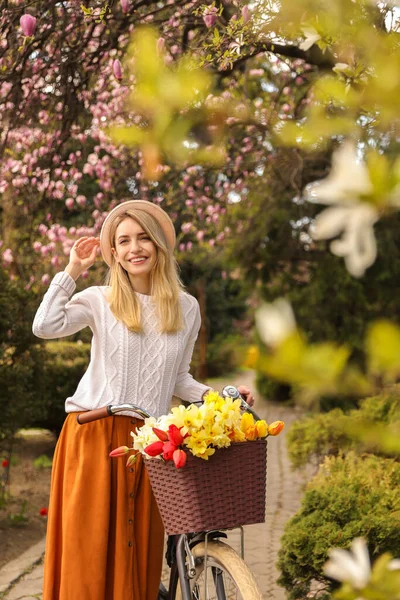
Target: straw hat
{"x": 152, "y": 209}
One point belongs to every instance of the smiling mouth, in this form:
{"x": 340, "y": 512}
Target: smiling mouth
{"x": 137, "y": 261}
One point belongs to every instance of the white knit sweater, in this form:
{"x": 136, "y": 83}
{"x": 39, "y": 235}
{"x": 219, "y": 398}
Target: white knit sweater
{"x": 144, "y": 368}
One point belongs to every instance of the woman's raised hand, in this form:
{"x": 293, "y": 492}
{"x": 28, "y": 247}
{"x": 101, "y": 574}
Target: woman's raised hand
{"x": 82, "y": 255}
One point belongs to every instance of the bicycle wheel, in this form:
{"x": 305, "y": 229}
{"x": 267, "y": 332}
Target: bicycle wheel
{"x": 228, "y": 576}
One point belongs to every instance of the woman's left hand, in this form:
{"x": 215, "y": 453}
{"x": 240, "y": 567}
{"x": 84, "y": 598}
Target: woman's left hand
{"x": 246, "y": 393}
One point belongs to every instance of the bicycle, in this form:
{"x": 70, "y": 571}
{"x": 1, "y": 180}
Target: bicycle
{"x": 201, "y": 565}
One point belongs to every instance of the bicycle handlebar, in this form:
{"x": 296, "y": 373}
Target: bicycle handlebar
{"x": 229, "y": 391}
{"x": 108, "y": 411}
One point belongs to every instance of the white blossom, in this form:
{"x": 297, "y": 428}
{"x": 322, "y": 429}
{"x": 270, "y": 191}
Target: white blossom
{"x": 275, "y": 322}
{"x": 352, "y": 566}
{"x": 394, "y": 564}
{"x": 347, "y": 182}
{"x": 145, "y": 436}
{"x": 311, "y": 36}
{"x": 344, "y": 188}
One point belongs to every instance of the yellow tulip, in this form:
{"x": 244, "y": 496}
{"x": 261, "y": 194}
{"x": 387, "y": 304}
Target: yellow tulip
{"x": 246, "y": 422}
{"x": 276, "y": 427}
{"x": 262, "y": 428}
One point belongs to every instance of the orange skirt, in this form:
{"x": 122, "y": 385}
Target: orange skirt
{"x": 105, "y": 536}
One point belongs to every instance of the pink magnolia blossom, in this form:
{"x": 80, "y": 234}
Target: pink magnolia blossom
{"x": 81, "y": 200}
{"x": 160, "y": 45}
{"x": 117, "y": 69}
{"x": 210, "y": 16}
{"x": 8, "y": 256}
{"x": 245, "y": 14}
{"x": 186, "y": 227}
{"x": 46, "y": 279}
{"x": 28, "y": 25}
{"x": 256, "y": 72}
{"x": 125, "y": 5}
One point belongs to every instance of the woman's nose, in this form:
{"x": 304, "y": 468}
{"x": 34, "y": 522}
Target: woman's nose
{"x": 135, "y": 245}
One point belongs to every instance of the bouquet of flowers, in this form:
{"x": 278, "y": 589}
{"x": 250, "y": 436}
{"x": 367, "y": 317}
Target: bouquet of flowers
{"x": 201, "y": 430}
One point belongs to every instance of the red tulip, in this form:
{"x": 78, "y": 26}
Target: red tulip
{"x": 162, "y": 435}
{"x": 168, "y": 450}
{"x": 125, "y": 5}
{"x": 117, "y": 69}
{"x": 28, "y": 25}
{"x": 43, "y": 512}
{"x": 154, "y": 449}
{"x": 5, "y": 463}
{"x": 179, "y": 458}
{"x": 119, "y": 451}
{"x": 175, "y": 435}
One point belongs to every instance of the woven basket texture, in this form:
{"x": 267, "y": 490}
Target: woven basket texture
{"x": 226, "y": 491}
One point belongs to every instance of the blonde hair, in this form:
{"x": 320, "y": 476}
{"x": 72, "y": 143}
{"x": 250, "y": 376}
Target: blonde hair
{"x": 165, "y": 285}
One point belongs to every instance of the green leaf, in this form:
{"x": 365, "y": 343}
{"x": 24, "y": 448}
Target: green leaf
{"x": 383, "y": 349}
{"x": 129, "y": 136}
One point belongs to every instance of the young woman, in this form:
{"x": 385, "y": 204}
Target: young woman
{"x": 105, "y": 536}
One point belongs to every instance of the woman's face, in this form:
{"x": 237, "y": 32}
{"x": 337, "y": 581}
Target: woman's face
{"x": 134, "y": 250}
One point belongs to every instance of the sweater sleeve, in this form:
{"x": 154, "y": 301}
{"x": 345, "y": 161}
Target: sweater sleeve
{"x": 186, "y": 387}
{"x": 57, "y": 316}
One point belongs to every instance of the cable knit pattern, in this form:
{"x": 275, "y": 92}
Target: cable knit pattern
{"x": 144, "y": 368}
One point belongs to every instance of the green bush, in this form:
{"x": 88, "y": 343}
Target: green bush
{"x": 21, "y": 360}
{"x": 320, "y": 435}
{"x": 64, "y": 365}
{"x": 271, "y": 389}
{"x": 21, "y": 376}
{"x": 349, "y": 497}
{"x": 225, "y": 353}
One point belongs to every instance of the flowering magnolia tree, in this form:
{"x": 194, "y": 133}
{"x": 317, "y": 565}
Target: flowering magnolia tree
{"x": 63, "y": 84}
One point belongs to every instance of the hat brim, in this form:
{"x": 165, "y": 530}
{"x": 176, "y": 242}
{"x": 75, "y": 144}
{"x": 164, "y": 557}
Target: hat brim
{"x": 146, "y": 206}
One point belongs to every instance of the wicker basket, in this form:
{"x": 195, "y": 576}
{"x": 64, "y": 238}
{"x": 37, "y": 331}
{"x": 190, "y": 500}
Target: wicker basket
{"x": 226, "y": 491}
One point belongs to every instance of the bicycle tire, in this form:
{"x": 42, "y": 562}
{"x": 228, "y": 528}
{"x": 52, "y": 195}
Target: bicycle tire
{"x": 225, "y": 558}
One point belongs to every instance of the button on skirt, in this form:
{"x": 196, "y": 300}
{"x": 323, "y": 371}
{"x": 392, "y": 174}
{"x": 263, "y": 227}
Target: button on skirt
{"x": 105, "y": 536}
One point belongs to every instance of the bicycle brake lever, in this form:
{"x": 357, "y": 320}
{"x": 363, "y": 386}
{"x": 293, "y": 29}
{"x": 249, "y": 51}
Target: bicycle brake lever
{"x": 230, "y": 391}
